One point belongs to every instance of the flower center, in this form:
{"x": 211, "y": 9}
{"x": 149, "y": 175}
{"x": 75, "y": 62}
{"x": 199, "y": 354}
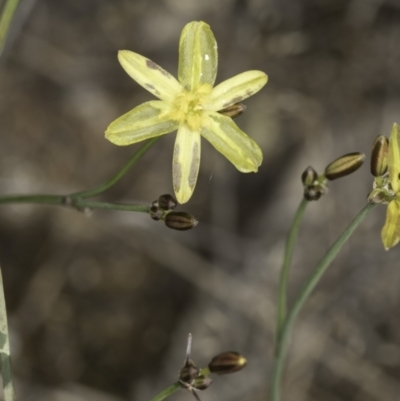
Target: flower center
{"x": 187, "y": 107}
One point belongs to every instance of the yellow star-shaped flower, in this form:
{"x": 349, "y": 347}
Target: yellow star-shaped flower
{"x": 190, "y": 105}
{"x": 391, "y": 229}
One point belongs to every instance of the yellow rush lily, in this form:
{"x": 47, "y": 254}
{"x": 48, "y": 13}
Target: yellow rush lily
{"x": 190, "y": 105}
{"x": 391, "y": 229}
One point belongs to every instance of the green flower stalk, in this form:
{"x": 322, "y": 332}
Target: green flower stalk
{"x": 189, "y": 104}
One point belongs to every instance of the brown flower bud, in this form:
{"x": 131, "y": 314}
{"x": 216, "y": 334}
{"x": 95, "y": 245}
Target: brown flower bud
{"x": 188, "y": 372}
{"x": 312, "y": 193}
{"x": 167, "y": 202}
{"x": 180, "y": 221}
{"x": 227, "y": 362}
{"x": 233, "y": 111}
{"x": 379, "y": 156}
{"x": 344, "y": 165}
{"x": 201, "y": 382}
{"x": 309, "y": 176}
{"x": 155, "y": 212}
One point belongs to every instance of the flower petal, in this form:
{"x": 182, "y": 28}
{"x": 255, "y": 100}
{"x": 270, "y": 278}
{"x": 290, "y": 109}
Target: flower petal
{"x": 391, "y": 229}
{"x": 198, "y": 56}
{"x": 149, "y": 75}
{"x": 143, "y": 122}
{"x": 236, "y": 89}
{"x": 394, "y": 158}
{"x": 186, "y": 162}
{"x": 233, "y": 143}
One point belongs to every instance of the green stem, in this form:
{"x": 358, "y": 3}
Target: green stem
{"x": 303, "y": 296}
{"x": 5, "y": 20}
{"x": 127, "y": 207}
{"x": 167, "y": 392}
{"x": 47, "y": 199}
{"x": 287, "y": 260}
{"x": 112, "y": 181}
{"x": 6, "y": 372}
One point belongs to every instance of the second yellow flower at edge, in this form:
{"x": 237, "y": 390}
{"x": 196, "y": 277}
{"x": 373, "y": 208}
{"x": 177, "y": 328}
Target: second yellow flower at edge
{"x": 190, "y": 105}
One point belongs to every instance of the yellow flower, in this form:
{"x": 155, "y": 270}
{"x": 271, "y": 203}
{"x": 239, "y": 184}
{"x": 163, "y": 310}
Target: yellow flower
{"x": 190, "y": 105}
{"x": 391, "y": 229}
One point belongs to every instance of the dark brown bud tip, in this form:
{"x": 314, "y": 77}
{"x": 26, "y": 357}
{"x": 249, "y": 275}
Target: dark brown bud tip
{"x": 312, "y": 193}
{"x": 379, "y": 156}
{"x": 227, "y": 362}
{"x": 188, "y": 372}
{"x": 233, "y": 111}
{"x": 309, "y": 176}
{"x": 155, "y": 212}
{"x": 201, "y": 382}
{"x": 344, "y": 165}
{"x": 167, "y": 202}
{"x": 180, "y": 221}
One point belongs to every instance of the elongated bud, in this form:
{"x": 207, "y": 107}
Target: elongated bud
{"x": 309, "y": 176}
{"x": 233, "y": 111}
{"x": 155, "y": 212}
{"x": 167, "y": 202}
{"x": 180, "y": 221}
{"x": 227, "y": 362}
{"x": 201, "y": 382}
{"x": 379, "y": 156}
{"x": 344, "y": 165}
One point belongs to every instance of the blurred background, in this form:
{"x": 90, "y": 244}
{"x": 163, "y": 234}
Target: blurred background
{"x": 100, "y": 307}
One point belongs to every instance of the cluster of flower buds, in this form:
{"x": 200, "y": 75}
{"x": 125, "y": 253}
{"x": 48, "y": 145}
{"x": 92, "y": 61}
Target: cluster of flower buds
{"x": 162, "y": 209}
{"x": 382, "y": 192}
{"x": 316, "y": 185}
{"x": 192, "y": 378}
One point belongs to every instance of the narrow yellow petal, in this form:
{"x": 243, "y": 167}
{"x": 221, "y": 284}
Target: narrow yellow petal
{"x": 143, "y": 122}
{"x": 233, "y": 143}
{"x": 236, "y": 89}
{"x": 394, "y": 158}
{"x": 198, "y": 56}
{"x": 391, "y": 229}
{"x": 149, "y": 75}
{"x": 186, "y": 162}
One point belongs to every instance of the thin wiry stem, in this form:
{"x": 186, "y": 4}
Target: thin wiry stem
{"x": 5, "y": 20}
{"x": 6, "y": 372}
{"x": 287, "y": 260}
{"x": 167, "y": 392}
{"x": 315, "y": 277}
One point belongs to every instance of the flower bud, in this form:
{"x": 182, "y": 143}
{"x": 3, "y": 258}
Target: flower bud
{"x": 201, "y": 382}
{"x": 344, "y": 165}
{"x": 379, "y": 156}
{"x": 309, "y": 176}
{"x": 233, "y": 111}
{"x": 227, "y": 362}
{"x": 379, "y": 195}
{"x": 167, "y": 202}
{"x": 155, "y": 212}
{"x": 312, "y": 193}
{"x": 188, "y": 372}
{"x": 180, "y": 221}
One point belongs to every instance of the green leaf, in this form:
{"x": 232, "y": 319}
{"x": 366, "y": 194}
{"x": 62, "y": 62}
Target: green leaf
{"x": 236, "y": 89}
{"x": 146, "y": 121}
{"x": 233, "y": 143}
{"x": 149, "y": 75}
{"x": 186, "y": 162}
{"x": 198, "y": 56}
